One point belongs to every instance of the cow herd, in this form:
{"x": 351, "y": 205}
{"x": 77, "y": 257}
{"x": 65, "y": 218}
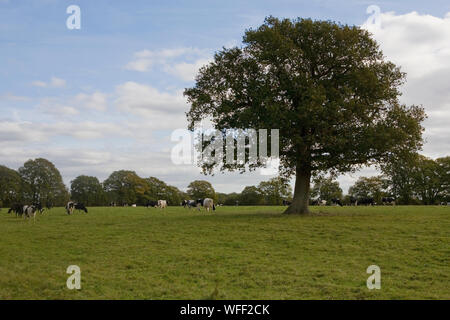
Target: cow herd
{"x": 363, "y": 201}
{"x": 27, "y": 210}
{"x": 30, "y": 211}
{"x": 206, "y": 203}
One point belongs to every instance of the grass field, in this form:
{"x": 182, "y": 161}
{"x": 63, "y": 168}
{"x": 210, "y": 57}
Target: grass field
{"x": 234, "y": 253}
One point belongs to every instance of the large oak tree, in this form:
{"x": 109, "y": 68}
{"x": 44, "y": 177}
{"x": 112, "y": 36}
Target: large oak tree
{"x": 328, "y": 89}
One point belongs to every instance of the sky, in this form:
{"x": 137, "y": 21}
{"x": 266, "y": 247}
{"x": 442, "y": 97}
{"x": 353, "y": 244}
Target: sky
{"x": 108, "y": 96}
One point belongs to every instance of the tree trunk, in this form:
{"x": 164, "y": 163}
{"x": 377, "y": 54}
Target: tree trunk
{"x": 300, "y": 203}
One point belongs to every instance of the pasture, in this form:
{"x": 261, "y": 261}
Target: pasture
{"x": 233, "y": 253}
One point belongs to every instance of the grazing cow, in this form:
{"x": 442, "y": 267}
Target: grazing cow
{"x": 162, "y": 204}
{"x": 286, "y": 203}
{"x": 134, "y": 205}
{"x": 17, "y": 208}
{"x": 388, "y": 200}
{"x": 366, "y": 201}
{"x": 80, "y": 207}
{"x": 151, "y": 203}
{"x": 353, "y": 201}
{"x": 70, "y": 206}
{"x": 336, "y": 202}
{"x": 208, "y": 203}
{"x": 189, "y": 203}
{"x": 38, "y": 207}
{"x": 322, "y": 202}
{"x": 29, "y": 211}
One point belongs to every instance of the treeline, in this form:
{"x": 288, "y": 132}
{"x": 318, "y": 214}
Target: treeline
{"x": 410, "y": 179}
{"x": 40, "y": 181}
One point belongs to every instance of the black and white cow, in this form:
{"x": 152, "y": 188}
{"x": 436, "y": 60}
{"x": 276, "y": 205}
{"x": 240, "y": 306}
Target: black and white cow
{"x": 29, "y": 211}
{"x": 353, "y": 201}
{"x": 38, "y": 207}
{"x": 17, "y": 208}
{"x": 189, "y": 203}
{"x": 366, "y": 201}
{"x": 388, "y": 200}
{"x": 336, "y": 202}
{"x": 71, "y": 206}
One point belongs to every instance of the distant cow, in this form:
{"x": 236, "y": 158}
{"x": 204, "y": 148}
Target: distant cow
{"x": 189, "y": 203}
{"x": 81, "y": 207}
{"x": 17, "y": 208}
{"x": 286, "y": 203}
{"x": 71, "y": 206}
{"x": 38, "y": 207}
{"x": 208, "y": 203}
{"x": 336, "y": 202}
{"x": 366, "y": 201}
{"x": 353, "y": 201}
{"x": 388, "y": 200}
{"x": 162, "y": 204}
{"x": 29, "y": 211}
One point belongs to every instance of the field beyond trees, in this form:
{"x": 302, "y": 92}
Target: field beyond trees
{"x": 233, "y": 253}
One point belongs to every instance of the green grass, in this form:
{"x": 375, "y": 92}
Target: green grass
{"x": 234, "y": 253}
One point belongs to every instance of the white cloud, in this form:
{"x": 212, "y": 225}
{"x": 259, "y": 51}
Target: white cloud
{"x": 12, "y": 97}
{"x": 163, "y": 109}
{"x": 186, "y": 71}
{"x": 53, "y": 83}
{"x": 96, "y": 101}
{"x": 54, "y": 107}
{"x": 420, "y": 44}
{"x": 169, "y": 59}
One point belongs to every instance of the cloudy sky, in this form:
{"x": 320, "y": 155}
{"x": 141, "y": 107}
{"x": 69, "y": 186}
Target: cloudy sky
{"x": 109, "y": 95}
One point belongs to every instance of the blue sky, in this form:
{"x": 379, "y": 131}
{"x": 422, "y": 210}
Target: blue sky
{"x": 112, "y": 90}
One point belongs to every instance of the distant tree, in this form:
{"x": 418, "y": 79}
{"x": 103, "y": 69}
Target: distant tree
{"x": 174, "y": 196}
{"x": 444, "y": 169}
{"x": 221, "y": 197}
{"x": 326, "y": 188}
{"x": 251, "y": 196}
{"x": 428, "y": 181}
{"x": 327, "y": 87}
{"x": 87, "y": 190}
{"x": 43, "y": 183}
{"x": 275, "y": 191}
{"x": 159, "y": 190}
{"x": 200, "y": 189}
{"x": 398, "y": 170}
{"x": 368, "y": 187}
{"x": 10, "y": 186}
{"x": 232, "y": 199}
{"x": 126, "y": 187}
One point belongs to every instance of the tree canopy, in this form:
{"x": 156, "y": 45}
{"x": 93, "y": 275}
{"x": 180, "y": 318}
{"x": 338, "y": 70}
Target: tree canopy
{"x": 328, "y": 89}
{"x": 10, "y": 186}
{"x": 87, "y": 190}
{"x": 200, "y": 189}
{"x": 42, "y": 182}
